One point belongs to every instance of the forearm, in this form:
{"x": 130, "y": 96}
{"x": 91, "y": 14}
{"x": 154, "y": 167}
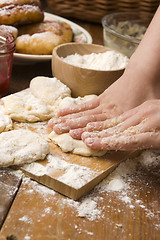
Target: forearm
{"x": 145, "y": 62}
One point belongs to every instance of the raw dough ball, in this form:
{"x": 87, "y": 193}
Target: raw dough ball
{"x": 49, "y": 89}
{"x": 69, "y": 102}
{"x": 21, "y": 146}
{"x": 68, "y": 144}
{"x": 23, "y": 106}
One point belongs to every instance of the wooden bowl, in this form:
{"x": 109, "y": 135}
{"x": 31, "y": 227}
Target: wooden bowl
{"x": 82, "y": 81}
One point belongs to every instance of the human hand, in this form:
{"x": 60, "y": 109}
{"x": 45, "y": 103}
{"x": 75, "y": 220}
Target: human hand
{"x": 138, "y": 128}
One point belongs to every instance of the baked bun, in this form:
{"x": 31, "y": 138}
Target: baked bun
{"x": 17, "y": 12}
{"x": 10, "y": 29}
{"x": 41, "y": 38}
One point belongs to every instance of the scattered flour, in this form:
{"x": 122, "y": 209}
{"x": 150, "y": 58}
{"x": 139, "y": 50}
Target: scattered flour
{"x": 86, "y": 207}
{"x": 25, "y": 219}
{"x": 150, "y": 159}
{"x": 109, "y": 60}
{"x": 119, "y": 184}
{"x": 74, "y": 175}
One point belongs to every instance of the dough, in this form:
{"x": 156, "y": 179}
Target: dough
{"x": 68, "y": 144}
{"x": 49, "y": 90}
{"x": 5, "y": 122}
{"x": 65, "y": 141}
{"x": 21, "y": 146}
{"x": 69, "y": 102}
{"x": 23, "y": 106}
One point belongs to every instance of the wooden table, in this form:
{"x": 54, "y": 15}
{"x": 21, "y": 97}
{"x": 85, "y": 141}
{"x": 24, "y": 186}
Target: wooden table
{"x": 36, "y": 212}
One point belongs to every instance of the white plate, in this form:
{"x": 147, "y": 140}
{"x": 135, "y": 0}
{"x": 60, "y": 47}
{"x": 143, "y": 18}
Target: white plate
{"x": 81, "y": 35}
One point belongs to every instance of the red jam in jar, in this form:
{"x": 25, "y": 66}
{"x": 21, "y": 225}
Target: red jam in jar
{"x": 7, "y": 48}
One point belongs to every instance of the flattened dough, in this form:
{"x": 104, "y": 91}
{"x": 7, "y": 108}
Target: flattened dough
{"x": 49, "y": 90}
{"x": 21, "y": 146}
{"x": 68, "y": 144}
{"x": 65, "y": 141}
{"x": 25, "y": 107}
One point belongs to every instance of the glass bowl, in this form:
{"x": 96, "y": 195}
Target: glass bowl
{"x": 123, "y": 31}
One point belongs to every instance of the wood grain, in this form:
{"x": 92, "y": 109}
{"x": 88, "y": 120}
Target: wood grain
{"x": 80, "y": 80}
{"x": 98, "y": 167}
{"x": 9, "y": 184}
{"x": 39, "y": 213}
{"x": 107, "y": 164}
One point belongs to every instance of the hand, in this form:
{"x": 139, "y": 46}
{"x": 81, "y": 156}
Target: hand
{"x": 111, "y": 103}
{"x": 138, "y": 128}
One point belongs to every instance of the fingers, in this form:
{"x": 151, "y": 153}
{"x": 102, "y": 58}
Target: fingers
{"x": 130, "y": 116}
{"x": 76, "y": 123}
{"x": 125, "y": 142}
{"x": 78, "y": 117}
{"x": 100, "y": 125}
{"x": 77, "y": 133}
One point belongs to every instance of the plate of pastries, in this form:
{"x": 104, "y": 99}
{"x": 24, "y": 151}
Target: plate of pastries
{"x": 37, "y": 32}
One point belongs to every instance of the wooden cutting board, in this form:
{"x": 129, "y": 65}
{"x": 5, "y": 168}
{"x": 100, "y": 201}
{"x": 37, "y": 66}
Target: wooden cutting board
{"x": 93, "y": 169}
{"x": 100, "y": 167}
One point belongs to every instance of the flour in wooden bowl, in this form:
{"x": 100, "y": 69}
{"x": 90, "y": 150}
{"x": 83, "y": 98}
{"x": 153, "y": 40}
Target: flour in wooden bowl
{"x": 109, "y": 60}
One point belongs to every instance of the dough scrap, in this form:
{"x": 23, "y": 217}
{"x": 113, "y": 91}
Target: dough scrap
{"x": 69, "y": 102}
{"x": 21, "y": 146}
{"x": 68, "y": 144}
{"x": 25, "y": 107}
{"x": 49, "y": 90}
{"x": 5, "y": 122}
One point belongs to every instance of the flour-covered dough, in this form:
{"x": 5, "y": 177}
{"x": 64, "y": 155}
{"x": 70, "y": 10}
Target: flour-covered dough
{"x": 65, "y": 141}
{"x": 68, "y": 144}
{"x": 69, "y": 102}
{"x": 49, "y": 90}
{"x": 5, "y": 121}
{"x": 25, "y": 107}
{"x": 21, "y": 146}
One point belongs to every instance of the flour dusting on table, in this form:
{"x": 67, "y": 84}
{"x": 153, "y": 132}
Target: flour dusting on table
{"x": 118, "y": 186}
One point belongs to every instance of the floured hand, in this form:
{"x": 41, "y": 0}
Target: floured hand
{"x": 138, "y": 128}
{"x": 121, "y": 96}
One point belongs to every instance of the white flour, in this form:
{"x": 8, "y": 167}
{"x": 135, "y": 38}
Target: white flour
{"x": 119, "y": 184}
{"x": 109, "y": 60}
{"x": 73, "y": 175}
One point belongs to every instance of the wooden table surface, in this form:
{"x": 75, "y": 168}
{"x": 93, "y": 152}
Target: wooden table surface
{"x": 36, "y": 212}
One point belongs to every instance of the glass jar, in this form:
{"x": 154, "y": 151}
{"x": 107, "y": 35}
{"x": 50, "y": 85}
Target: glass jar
{"x": 7, "y": 48}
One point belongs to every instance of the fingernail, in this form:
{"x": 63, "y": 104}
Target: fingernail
{"x": 89, "y": 141}
{"x": 90, "y": 126}
{"x": 53, "y": 121}
{"x": 75, "y": 134}
{"x": 85, "y": 134}
{"x": 61, "y": 128}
